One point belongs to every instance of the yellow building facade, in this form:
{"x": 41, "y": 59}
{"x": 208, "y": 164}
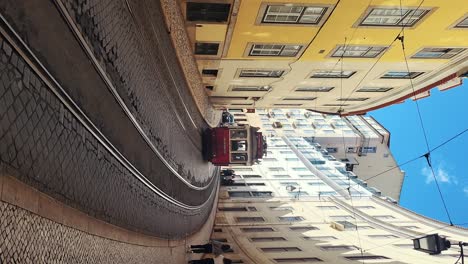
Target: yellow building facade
{"x": 343, "y": 56}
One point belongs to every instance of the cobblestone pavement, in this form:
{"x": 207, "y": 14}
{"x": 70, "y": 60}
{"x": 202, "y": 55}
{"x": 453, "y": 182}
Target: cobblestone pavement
{"x": 29, "y": 238}
{"x": 44, "y": 145}
{"x": 177, "y": 31}
{"x": 137, "y": 54}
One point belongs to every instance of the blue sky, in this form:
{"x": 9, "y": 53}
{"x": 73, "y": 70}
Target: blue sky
{"x": 444, "y": 115}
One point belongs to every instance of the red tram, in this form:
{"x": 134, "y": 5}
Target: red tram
{"x": 234, "y": 145}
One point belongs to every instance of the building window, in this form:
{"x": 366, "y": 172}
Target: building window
{"x": 369, "y": 150}
{"x": 218, "y": 230}
{"x": 319, "y": 238}
{"x": 291, "y": 218}
{"x": 303, "y": 228}
{"x": 299, "y": 98}
{"x": 374, "y": 89}
{"x": 250, "y": 176}
{"x": 463, "y": 23}
{"x": 250, "y": 88}
{"x": 261, "y": 73}
{"x": 281, "y": 249}
{"x": 276, "y": 169}
{"x": 315, "y": 89}
{"x": 296, "y": 260}
{"x": 244, "y": 219}
{"x": 288, "y": 104}
{"x": 382, "y": 236}
{"x": 238, "y": 209}
{"x": 355, "y": 99}
{"x": 365, "y": 257}
{"x": 281, "y": 208}
{"x": 281, "y": 176}
{"x": 332, "y": 150}
{"x": 292, "y": 14}
{"x": 347, "y": 225}
{"x": 274, "y": 50}
{"x": 383, "y": 217}
{"x": 210, "y": 72}
{"x": 267, "y": 239}
{"x": 328, "y": 207}
{"x": 257, "y": 229}
{"x": 208, "y": 12}
{"x": 205, "y": 48}
{"x": 240, "y": 168}
{"x": 240, "y": 194}
{"x": 437, "y": 53}
{"x": 332, "y": 74}
{"x": 401, "y": 75}
{"x": 341, "y": 247}
{"x": 358, "y": 51}
{"x": 262, "y": 194}
{"x": 291, "y": 159}
{"x": 397, "y": 17}
{"x": 300, "y": 169}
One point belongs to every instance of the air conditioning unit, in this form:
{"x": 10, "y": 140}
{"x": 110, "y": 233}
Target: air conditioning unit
{"x": 337, "y": 226}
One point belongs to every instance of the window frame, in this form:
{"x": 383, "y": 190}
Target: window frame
{"x": 341, "y": 76}
{"x": 370, "y": 47}
{"x": 241, "y": 70}
{"x": 374, "y": 89}
{"x": 262, "y": 12}
{"x": 450, "y": 56}
{"x": 210, "y": 43}
{"x": 459, "y": 21}
{"x": 251, "y": 47}
{"x": 412, "y": 75}
{"x": 314, "y": 89}
{"x": 367, "y": 13}
{"x": 228, "y": 16}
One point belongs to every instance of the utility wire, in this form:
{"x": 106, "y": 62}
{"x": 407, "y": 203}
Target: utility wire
{"x": 413, "y": 159}
{"x": 378, "y": 59}
{"x": 427, "y": 155}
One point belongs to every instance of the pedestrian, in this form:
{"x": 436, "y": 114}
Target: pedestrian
{"x": 227, "y": 172}
{"x": 217, "y": 260}
{"x": 215, "y": 247}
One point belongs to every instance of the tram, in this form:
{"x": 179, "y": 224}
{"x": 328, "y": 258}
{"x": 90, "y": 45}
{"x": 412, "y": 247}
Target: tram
{"x": 234, "y": 145}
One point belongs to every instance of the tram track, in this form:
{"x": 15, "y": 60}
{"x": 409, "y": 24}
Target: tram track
{"x": 32, "y": 61}
{"x": 89, "y": 51}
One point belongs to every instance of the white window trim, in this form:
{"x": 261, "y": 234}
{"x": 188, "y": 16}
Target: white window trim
{"x": 366, "y": 13}
{"x": 263, "y": 7}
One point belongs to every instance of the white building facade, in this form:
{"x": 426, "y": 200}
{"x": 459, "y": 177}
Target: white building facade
{"x": 300, "y": 206}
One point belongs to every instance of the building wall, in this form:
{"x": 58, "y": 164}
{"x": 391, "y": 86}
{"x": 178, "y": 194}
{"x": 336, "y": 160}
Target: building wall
{"x": 342, "y": 139}
{"x": 256, "y": 226}
{"x": 340, "y": 25}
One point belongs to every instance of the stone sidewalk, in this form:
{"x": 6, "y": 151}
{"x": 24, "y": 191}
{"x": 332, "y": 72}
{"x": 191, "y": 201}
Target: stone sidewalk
{"x": 36, "y": 228}
{"x": 176, "y": 28}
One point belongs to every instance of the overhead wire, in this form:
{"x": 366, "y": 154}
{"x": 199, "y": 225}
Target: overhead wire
{"x": 378, "y": 58}
{"x": 420, "y": 156}
{"x": 427, "y": 155}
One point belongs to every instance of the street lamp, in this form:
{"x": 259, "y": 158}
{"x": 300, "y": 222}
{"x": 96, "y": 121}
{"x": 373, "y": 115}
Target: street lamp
{"x": 291, "y": 188}
{"x": 434, "y": 244}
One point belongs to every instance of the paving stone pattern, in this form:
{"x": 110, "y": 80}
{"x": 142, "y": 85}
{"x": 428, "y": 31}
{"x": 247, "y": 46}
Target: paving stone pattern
{"x": 185, "y": 50}
{"x": 45, "y": 146}
{"x": 149, "y": 87}
{"x": 29, "y": 238}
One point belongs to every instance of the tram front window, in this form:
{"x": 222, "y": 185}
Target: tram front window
{"x": 239, "y": 157}
{"x": 238, "y": 145}
{"x": 238, "y": 134}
